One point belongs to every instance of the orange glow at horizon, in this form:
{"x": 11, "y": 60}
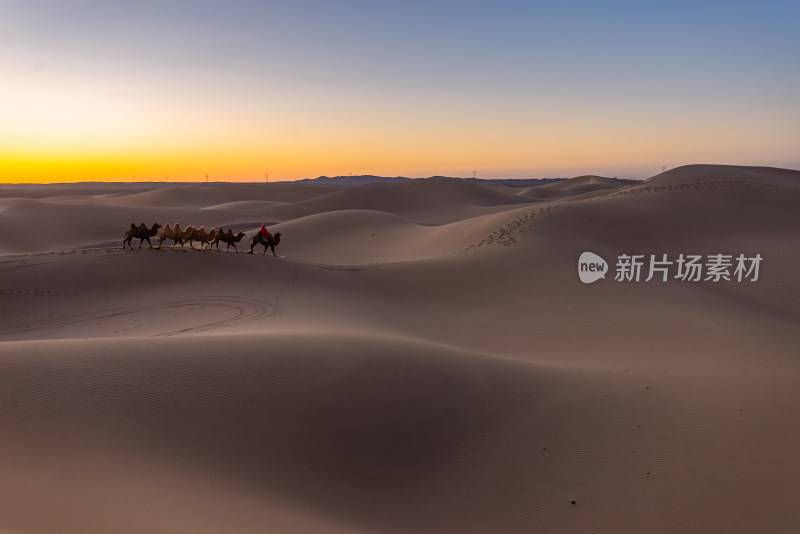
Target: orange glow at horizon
{"x": 90, "y": 143}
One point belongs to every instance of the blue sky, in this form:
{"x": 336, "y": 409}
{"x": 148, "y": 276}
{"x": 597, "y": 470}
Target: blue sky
{"x": 308, "y": 87}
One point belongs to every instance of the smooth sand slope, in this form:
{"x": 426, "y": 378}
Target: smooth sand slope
{"x": 412, "y": 362}
{"x": 579, "y": 187}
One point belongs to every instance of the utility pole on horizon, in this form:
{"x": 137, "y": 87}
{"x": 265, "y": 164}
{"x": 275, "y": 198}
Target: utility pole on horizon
{"x": 206, "y": 177}
{"x": 266, "y": 178}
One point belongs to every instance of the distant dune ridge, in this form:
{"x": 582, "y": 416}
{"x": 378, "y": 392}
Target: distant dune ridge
{"x": 421, "y": 357}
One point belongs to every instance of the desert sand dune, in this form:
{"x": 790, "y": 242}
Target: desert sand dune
{"x": 361, "y": 430}
{"x": 693, "y": 174}
{"x": 691, "y": 213}
{"x": 449, "y": 373}
{"x": 255, "y": 206}
{"x": 361, "y": 237}
{"x": 581, "y": 186}
{"x": 431, "y": 201}
{"x": 589, "y": 179}
{"x": 86, "y": 189}
{"x": 204, "y": 195}
{"x": 379, "y": 417}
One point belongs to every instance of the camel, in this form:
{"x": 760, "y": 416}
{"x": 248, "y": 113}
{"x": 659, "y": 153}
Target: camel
{"x": 175, "y": 233}
{"x": 186, "y": 234}
{"x": 272, "y": 242}
{"x": 229, "y": 238}
{"x": 141, "y": 233}
{"x": 201, "y": 235}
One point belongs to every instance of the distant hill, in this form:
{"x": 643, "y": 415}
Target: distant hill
{"x": 370, "y": 179}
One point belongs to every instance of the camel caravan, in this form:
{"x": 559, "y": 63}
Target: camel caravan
{"x": 190, "y": 234}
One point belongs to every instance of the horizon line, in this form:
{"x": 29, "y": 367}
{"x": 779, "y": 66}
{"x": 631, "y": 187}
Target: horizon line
{"x": 397, "y": 177}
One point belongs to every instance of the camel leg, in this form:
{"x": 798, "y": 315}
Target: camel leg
{"x": 149, "y": 243}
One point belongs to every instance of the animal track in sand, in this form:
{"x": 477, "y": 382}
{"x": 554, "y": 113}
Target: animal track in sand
{"x": 27, "y": 260}
{"x": 505, "y": 236}
{"x": 38, "y": 292}
{"x": 662, "y": 188}
{"x": 216, "y": 312}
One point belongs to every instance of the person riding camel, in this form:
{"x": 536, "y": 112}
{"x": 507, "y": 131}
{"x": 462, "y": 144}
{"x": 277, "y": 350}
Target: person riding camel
{"x": 263, "y": 237}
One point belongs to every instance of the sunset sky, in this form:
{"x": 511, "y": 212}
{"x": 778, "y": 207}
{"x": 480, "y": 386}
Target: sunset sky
{"x": 106, "y": 90}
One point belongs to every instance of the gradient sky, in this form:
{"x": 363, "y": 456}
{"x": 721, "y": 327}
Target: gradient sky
{"x": 106, "y": 90}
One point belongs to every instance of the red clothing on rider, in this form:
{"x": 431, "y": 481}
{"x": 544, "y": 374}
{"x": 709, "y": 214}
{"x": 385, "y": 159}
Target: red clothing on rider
{"x": 265, "y": 232}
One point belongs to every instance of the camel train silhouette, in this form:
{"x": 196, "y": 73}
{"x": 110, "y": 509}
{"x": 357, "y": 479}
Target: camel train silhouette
{"x": 180, "y": 236}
